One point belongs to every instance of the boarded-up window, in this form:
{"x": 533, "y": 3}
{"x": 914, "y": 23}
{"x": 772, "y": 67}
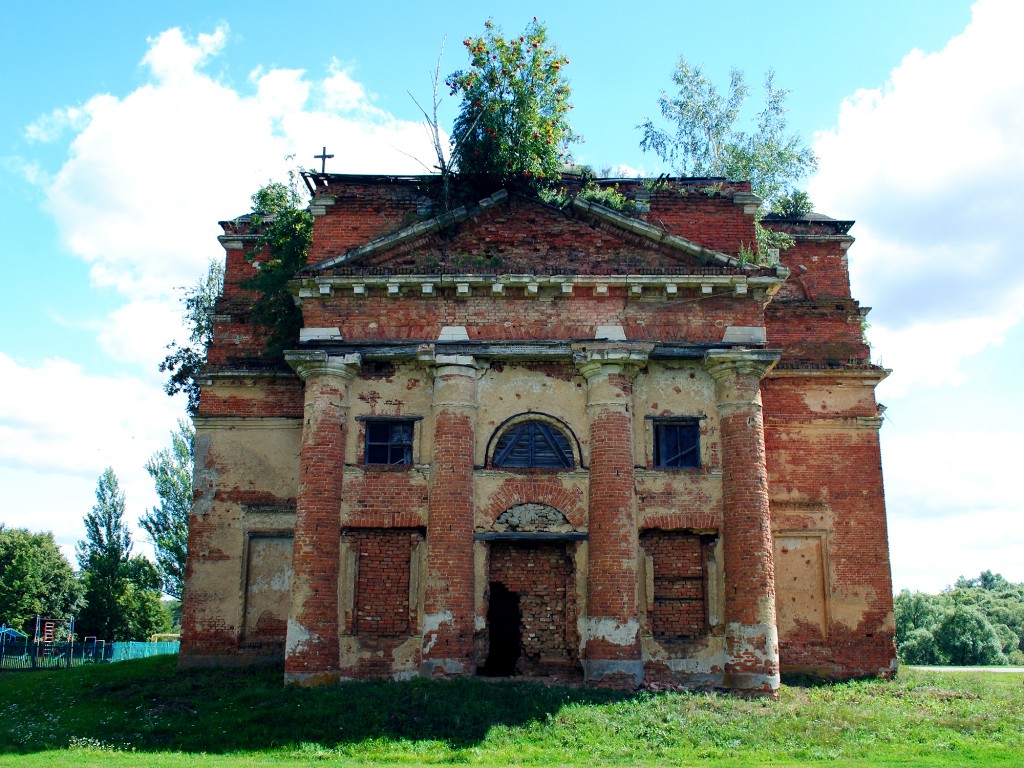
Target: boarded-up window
{"x": 533, "y": 444}
{"x": 800, "y": 596}
{"x": 268, "y": 583}
{"x": 677, "y": 609}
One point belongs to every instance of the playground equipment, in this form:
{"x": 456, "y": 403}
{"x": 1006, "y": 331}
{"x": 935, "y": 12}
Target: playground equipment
{"x": 54, "y": 640}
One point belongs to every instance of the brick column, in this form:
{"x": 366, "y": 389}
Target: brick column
{"x": 448, "y": 592}
{"x": 311, "y": 647}
{"x": 612, "y": 653}
{"x": 751, "y": 633}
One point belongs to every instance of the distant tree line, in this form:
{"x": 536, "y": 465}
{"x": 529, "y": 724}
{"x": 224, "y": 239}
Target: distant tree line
{"x": 977, "y": 621}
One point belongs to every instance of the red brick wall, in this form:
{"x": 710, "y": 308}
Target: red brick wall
{"x": 381, "y": 607}
{"x": 543, "y": 576}
{"x": 379, "y": 318}
{"x": 835, "y": 467}
{"x": 713, "y": 220}
{"x": 818, "y": 332}
{"x": 680, "y": 610}
{"x": 315, "y": 557}
{"x": 280, "y": 398}
{"x": 819, "y": 269}
{"x": 612, "y": 581}
{"x": 450, "y": 587}
{"x": 363, "y": 212}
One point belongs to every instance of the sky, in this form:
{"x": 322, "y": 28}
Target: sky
{"x": 128, "y": 130}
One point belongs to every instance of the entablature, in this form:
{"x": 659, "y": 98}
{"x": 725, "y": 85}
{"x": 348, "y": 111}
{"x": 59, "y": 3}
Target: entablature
{"x": 665, "y": 286}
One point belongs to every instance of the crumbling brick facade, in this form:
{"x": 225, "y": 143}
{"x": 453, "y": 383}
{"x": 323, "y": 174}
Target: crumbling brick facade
{"x": 514, "y": 439}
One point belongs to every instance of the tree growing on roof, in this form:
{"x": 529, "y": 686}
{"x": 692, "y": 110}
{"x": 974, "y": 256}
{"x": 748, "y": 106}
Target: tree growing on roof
{"x": 512, "y": 128}
{"x": 705, "y": 138}
{"x": 285, "y": 231}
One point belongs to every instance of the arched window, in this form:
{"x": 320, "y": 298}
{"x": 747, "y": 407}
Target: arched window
{"x": 533, "y": 444}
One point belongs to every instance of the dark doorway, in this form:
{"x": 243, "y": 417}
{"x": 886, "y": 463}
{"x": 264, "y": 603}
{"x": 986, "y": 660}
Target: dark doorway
{"x": 504, "y": 627}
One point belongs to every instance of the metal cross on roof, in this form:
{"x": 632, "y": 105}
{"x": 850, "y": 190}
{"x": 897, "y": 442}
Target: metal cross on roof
{"x": 323, "y": 157}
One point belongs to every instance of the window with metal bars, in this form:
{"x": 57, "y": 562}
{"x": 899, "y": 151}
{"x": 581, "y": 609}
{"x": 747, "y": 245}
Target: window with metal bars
{"x": 677, "y": 443}
{"x": 389, "y": 442}
{"x": 533, "y": 444}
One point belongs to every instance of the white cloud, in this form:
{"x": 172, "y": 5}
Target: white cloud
{"x": 929, "y": 353}
{"x": 171, "y": 58}
{"x": 928, "y": 555}
{"x": 55, "y": 416}
{"x": 60, "y": 427}
{"x": 52, "y": 126}
{"x": 949, "y": 471}
{"x": 149, "y": 174}
{"x": 930, "y": 166}
{"x": 146, "y": 178}
{"x": 341, "y": 93}
{"x": 138, "y": 332}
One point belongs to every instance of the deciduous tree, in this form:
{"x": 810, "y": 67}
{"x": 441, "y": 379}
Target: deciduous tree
{"x": 512, "y": 128}
{"x": 285, "y": 231}
{"x": 184, "y": 361}
{"x": 121, "y": 592}
{"x": 35, "y": 578}
{"x": 705, "y": 137}
{"x": 167, "y": 524}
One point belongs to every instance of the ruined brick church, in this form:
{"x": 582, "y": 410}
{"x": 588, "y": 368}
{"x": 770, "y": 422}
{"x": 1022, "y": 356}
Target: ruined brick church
{"x": 516, "y": 438}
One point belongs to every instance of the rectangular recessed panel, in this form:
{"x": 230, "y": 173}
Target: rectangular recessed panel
{"x": 800, "y": 602}
{"x": 268, "y": 585}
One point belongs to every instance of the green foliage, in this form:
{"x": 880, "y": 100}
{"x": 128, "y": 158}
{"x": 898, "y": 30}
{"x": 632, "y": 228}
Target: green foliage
{"x": 149, "y": 712}
{"x": 917, "y": 610}
{"x": 185, "y": 361}
{"x": 967, "y": 638}
{"x": 705, "y": 138}
{"x": 167, "y": 524}
{"x": 122, "y": 596}
{"x": 978, "y": 621}
{"x": 794, "y": 205}
{"x": 920, "y": 647}
{"x": 610, "y": 197}
{"x": 512, "y": 128}
{"x": 35, "y": 578}
{"x": 286, "y": 232}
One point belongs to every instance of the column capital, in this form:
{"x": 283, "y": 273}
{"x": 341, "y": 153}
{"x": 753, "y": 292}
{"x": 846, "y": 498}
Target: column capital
{"x": 444, "y": 363}
{"x": 724, "y": 364}
{"x": 319, "y": 363}
{"x": 592, "y": 360}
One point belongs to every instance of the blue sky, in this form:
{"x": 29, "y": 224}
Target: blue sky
{"x": 128, "y": 130}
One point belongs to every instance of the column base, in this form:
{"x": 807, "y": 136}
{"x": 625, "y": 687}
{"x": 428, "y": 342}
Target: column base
{"x": 752, "y": 684}
{"x": 313, "y": 679}
{"x": 614, "y": 673}
{"x": 439, "y": 669}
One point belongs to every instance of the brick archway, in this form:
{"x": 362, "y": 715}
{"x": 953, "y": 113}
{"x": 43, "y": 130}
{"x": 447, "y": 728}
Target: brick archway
{"x": 546, "y": 490}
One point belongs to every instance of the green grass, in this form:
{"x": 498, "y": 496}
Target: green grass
{"x": 147, "y": 712}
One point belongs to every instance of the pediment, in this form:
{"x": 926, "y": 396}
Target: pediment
{"x": 514, "y": 234}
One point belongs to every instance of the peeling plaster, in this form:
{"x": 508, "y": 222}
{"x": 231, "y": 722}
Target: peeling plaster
{"x": 205, "y": 479}
{"x": 432, "y": 624}
{"x": 613, "y": 631}
{"x": 297, "y": 637}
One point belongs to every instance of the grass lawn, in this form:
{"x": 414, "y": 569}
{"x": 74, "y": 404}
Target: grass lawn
{"x": 147, "y": 713}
